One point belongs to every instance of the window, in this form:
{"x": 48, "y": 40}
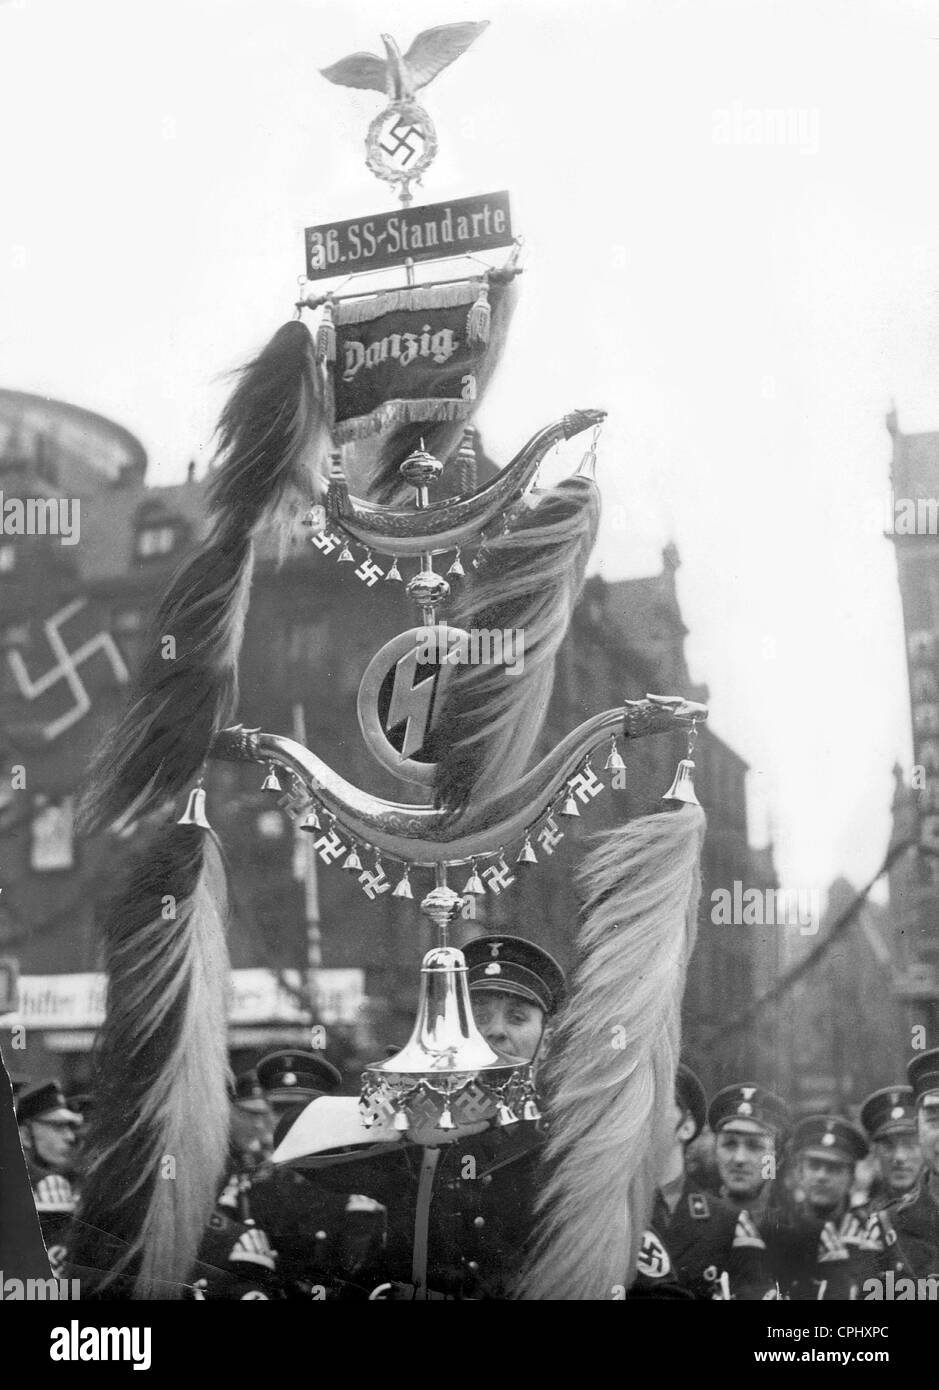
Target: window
{"x": 270, "y": 825}
{"x": 155, "y": 540}
{"x": 51, "y": 844}
{"x": 127, "y": 620}
{"x": 305, "y": 639}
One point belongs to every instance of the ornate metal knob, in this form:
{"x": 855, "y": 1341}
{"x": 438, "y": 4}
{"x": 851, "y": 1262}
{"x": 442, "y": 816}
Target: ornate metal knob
{"x": 421, "y": 469}
{"x": 428, "y": 588}
{"x": 442, "y": 906}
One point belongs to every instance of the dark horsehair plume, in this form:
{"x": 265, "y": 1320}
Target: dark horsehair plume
{"x": 610, "y": 1075}
{"x": 528, "y": 581}
{"x": 159, "y": 1129}
{"x": 272, "y": 439}
{"x": 440, "y": 438}
{"x": 161, "y": 1067}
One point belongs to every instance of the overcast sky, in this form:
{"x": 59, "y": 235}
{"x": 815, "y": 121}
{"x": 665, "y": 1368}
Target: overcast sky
{"x": 744, "y": 309}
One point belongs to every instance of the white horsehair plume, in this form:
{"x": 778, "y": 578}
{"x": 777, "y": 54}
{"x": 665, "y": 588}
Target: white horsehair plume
{"x": 611, "y": 1072}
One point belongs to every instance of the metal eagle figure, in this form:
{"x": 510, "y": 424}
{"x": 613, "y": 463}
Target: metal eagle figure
{"x": 399, "y": 74}
{"x": 595, "y": 1119}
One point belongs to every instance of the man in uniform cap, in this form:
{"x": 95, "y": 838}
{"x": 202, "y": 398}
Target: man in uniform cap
{"x": 48, "y": 1132}
{"x": 750, "y": 1124}
{"x": 698, "y": 1240}
{"x": 889, "y": 1118}
{"x": 288, "y": 1079}
{"x": 906, "y": 1232}
{"x": 479, "y": 1204}
{"x": 821, "y": 1250}
{"x": 515, "y": 986}
{"x": 276, "y": 1203}
{"x": 252, "y": 1122}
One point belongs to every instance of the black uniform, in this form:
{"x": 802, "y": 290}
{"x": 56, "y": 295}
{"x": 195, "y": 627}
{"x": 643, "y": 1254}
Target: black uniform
{"x": 711, "y": 1250}
{"x": 816, "y": 1258}
{"x": 906, "y": 1232}
{"x": 56, "y": 1198}
{"x": 905, "y": 1235}
{"x": 235, "y": 1261}
{"x": 317, "y": 1243}
{"x": 479, "y": 1216}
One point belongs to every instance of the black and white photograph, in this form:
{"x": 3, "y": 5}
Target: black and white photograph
{"x": 469, "y": 668}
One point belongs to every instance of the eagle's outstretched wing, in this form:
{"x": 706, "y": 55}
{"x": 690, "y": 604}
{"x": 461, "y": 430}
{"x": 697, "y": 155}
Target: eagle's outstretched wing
{"x": 364, "y": 70}
{"x": 435, "y": 49}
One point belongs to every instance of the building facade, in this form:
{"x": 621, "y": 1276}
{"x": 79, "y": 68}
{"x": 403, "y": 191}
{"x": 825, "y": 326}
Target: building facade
{"x": 913, "y": 529}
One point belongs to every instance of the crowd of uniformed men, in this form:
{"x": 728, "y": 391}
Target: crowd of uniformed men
{"x": 751, "y": 1205}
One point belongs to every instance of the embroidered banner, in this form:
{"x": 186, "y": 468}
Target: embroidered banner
{"x": 408, "y": 355}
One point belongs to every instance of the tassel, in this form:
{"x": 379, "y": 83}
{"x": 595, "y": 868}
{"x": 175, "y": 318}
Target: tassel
{"x": 478, "y": 318}
{"x": 272, "y": 434}
{"x": 489, "y": 721}
{"x": 161, "y": 1073}
{"x": 326, "y": 335}
{"x": 611, "y": 1073}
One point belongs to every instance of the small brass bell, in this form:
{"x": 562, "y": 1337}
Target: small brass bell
{"x": 401, "y": 1121}
{"x": 345, "y": 556}
{"x": 194, "y": 813}
{"x": 446, "y": 1119}
{"x": 505, "y": 1116}
{"x": 526, "y": 854}
{"x": 456, "y": 569}
{"x": 530, "y": 1111}
{"x": 311, "y": 820}
{"x": 271, "y": 783}
{"x": 394, "y": 574}
{"x": 474, "y": 884}
{"x": 570, "y": 805}
{"x": 614, "y": 762}
{"x": 352, "y": 861}
{"x": 402, "y": 888}
{"x": 682, "y": 788}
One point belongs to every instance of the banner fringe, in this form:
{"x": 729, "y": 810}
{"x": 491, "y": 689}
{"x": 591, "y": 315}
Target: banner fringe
{"x": 400, "y": 412}
{"x": 412, "y": 297}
